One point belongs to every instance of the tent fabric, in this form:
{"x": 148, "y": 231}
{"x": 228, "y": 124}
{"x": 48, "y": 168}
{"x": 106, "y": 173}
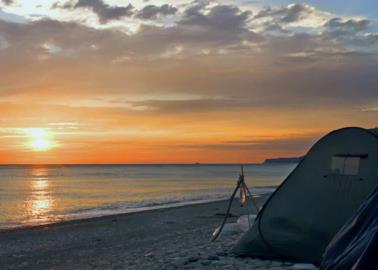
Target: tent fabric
{"x": 355, "y": 246}
{"x": 326, "y": 188}
{"x": 374, "y": 130}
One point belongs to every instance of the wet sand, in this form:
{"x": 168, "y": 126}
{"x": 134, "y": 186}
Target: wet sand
{"x": 173, "y": 238}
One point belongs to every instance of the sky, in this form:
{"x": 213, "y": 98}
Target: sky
{"x": 106, "y": 81}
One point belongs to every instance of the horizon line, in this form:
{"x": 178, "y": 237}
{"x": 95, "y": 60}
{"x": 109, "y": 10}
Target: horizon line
{"x": 99, "y": 164}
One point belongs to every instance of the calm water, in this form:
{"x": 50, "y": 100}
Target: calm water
{"x": 31, "y": 195}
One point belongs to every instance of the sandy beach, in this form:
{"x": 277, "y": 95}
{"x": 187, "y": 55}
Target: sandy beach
{"x": 174, "y": 238}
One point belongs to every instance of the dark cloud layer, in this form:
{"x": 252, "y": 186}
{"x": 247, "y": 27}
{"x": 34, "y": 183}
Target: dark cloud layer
{"x": 152, "y": 11}
{"x": 108, "y": 13}
{"x": 211, "y": 51}
{"x": 221, "y": 25}
{"x": 291, "y": 13}
{"x": 104, "y": 11}
{"x": 340, "y": 27}
{"x": 219, "y": 17}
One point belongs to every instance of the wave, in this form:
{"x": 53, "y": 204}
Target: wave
{"x": 132, "y": 207}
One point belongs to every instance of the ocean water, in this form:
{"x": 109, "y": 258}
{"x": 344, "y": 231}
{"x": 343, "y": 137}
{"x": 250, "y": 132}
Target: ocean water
{"x": 34, "y": 195}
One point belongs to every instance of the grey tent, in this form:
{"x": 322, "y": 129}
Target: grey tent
{"x": 355, "y": 246}
{"x": 316, "y": 199}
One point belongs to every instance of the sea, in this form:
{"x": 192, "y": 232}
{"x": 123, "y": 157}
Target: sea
{"x": 32, "y": 195}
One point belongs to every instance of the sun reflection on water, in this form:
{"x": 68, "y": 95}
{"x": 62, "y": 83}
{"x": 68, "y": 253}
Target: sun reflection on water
{"x": 40, "y": 202}
{"x": 40, "y": 184}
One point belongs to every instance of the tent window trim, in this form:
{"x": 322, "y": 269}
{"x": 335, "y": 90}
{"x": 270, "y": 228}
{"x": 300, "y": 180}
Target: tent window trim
{"x": 346, "y": 164}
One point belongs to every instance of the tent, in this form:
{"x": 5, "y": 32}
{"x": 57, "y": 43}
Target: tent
{"x": 326, "y": 188}
{"x": 355, "y": 246}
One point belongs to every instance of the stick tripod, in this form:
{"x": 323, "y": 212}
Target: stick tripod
{"x": 240, "y": 184}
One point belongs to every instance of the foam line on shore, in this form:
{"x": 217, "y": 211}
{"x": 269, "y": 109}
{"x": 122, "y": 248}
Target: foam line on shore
{"x": 125, "y": 208}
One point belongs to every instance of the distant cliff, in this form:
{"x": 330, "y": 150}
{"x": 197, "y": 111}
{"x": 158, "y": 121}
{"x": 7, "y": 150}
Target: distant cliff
{"x": 282, "y": 160}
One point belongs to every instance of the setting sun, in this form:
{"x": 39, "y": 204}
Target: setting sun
{"x": 41, "y": 145}
{"x": 39, "y": 139}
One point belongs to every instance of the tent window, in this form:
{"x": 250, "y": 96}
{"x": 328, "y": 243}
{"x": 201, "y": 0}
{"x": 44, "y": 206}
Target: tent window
{"x": 345, "y": 165}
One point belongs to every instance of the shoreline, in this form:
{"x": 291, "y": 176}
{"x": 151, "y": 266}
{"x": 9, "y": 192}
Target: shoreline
{"x": 109, "y": 216}
{"x": 133, "y": 237}
{"x": 169, "y": 238}
{"x": 87, "y": 215}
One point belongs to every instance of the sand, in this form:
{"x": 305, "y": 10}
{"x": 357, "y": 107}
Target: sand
{"x": 174, "y": 238}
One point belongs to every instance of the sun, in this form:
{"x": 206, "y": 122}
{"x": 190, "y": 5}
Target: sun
{"x": 41, "y": 145}
{"x": 39, "y": 139}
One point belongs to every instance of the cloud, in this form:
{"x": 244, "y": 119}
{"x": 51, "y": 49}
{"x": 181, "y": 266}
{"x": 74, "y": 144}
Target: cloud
{"x": 220, "y": 24}
{"x": 341, "y": 27}
{"x": 371, "y": 38}
{"x": 3, "y": 43}
{"x": 66, "y": 5}
{"x": 298, "y": 144}
{"x": 152, "y": 11}
{"x": 8, "y": 2}
{"x": 211, "y": 51}
{"x": 68, "y": 54}
{"x": 197, "y": 105}
{"x": 104, "y": 11}
{"x": 288, "y": 14}
{"x": 221, "y": 16}
{"x": 33, "y": 38}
